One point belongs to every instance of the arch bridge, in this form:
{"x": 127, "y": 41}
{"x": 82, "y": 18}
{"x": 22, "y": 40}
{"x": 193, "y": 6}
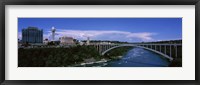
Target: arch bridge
{"x": 169, "y": 51}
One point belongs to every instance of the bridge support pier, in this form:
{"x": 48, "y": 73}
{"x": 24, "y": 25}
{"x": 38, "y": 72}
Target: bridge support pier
{"x": 99, "y": 48}
{"x": 170, "y": 51}
{"x": 165, "y": 50}
{"x": 160, "y": 48}
{"x": 176, "y": 51}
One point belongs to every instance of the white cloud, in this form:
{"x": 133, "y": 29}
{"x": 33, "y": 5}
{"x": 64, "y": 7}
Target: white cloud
{"x": 100, "y": 35}
{"x": 104, "y": 35}
{"x": 145, "y": 36}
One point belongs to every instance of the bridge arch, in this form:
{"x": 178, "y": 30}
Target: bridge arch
{"x": 125, "y": 45}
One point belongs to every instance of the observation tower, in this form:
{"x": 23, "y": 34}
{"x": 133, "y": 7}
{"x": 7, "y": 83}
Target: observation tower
{"x": 53, "y": 30}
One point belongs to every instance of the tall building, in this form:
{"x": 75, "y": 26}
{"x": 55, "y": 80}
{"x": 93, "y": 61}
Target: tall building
{"x": 32, "y": 35}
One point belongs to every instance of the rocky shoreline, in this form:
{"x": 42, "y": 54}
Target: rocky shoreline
{"x": 93, "y": 61}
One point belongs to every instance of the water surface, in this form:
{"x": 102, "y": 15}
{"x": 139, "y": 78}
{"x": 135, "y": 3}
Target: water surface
{"x": 136, "y": 57}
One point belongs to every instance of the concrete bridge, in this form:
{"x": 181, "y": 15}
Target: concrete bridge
{"x": 169, "y": 51}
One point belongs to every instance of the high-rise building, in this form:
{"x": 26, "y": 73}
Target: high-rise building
{"x": 32, "y": 35}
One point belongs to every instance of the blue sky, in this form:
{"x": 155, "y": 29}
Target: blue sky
{"x": 121, "y": 29}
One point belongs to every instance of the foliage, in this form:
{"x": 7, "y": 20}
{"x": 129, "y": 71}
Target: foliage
{"x": 26, "y": 44}
{"x": 51, "y": 43}
{"x": 113, "y": 54}
{"x": 55, "y": 57}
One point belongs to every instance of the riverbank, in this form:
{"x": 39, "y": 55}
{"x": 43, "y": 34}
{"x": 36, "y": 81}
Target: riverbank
{"x": 111, "y": 55}
{"x": 93, "y": 61}
{"x": 89, "y": 63}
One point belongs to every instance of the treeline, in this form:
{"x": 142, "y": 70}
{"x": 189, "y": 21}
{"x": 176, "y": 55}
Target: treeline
{"x": 113, "y": 54}
{"x": 55, "y": 57}
{"x": 59, "y": 57}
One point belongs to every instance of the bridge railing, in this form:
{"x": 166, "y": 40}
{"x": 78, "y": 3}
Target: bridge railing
{"x": 173, "y": 50}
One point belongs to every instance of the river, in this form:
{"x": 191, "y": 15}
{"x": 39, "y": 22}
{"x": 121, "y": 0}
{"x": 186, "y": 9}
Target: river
{"x": 136, "y": 57}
